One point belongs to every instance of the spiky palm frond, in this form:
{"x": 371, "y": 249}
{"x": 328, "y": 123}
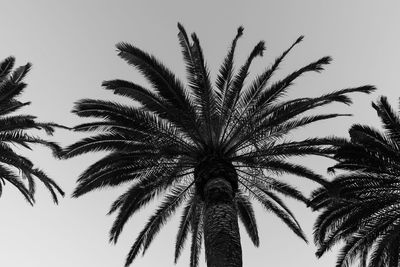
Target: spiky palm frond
{"x": 160, "y": 145}
{"x": 247, "y": 216}
{"x": 196, "y": 225}
{"x": 185, "y": 224}
{"x": 13, "y": 130}
{"x": 166, "y": 209}
{"x": 361, "y": 207}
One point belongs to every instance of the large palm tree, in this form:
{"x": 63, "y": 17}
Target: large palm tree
{"x": 15, "y": 168}
{"x": 210, "y": 149}
{"x": 361, "y": 206}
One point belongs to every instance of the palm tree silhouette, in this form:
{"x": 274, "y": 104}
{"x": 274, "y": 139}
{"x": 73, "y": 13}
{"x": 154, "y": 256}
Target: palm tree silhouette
{"x": 210, "y": 149}
{"x": 360, "y": 207}
{"x": 13, "y": 130}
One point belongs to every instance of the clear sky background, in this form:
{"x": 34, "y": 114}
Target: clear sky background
{"x": 72, "y": 47}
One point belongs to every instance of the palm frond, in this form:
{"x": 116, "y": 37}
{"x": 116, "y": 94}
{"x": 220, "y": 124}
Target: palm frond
{"x": 138, "y": 195}
{"x": 162, "y": 79}
{"x": 234, "y": 91}
{"x": 14, "y": 130}
{"x": 278, "y": 89}
{"x": 19, "y": 73}
{"x": 166, "y": 209}
{"x": 246, "y": 215}
{"x": 6, "y": 65}
{"x": 258, "y": 188}
{"x": 49, "y": 183}
{"x": 390, "y": 120}
{"x": 10, "y": 106}
{"x": 184, "y": 225}
{"x": 155, "y": 103}
{"x": 257, "y": 86}
{"x": 281, "y": 166}
{"x": 264, "y": 117}
{"x": 7, "y": 175}
{"x": 282, "y": 214}
{"x": 248, "y": 97}
{"x": 226, "y": 70}
{"x": 197, "y": 235}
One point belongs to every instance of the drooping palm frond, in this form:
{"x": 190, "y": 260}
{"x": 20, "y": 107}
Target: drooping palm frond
{"x": 196, "y": 225}
{"x": 185, "y": 224}
{"x": 360, "y": 207}
{"x": 14, "y": 131}
{"x": 247, "y": 216}
{"x": 167, "y": 208}
{"x": 161, "y": 145}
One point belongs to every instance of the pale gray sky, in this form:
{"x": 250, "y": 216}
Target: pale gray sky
{"x": 71, "y": 45}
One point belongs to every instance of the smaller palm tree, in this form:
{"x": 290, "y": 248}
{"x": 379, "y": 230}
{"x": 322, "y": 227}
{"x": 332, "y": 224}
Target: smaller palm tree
{"x": 15, "y": 168}
{"x": 361, "y": 207}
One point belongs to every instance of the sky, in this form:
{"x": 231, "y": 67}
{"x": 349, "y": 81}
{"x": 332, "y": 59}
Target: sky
{"x": 72, "y": 47}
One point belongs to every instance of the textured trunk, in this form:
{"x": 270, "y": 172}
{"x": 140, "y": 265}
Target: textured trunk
{"x": 221, "y": 230}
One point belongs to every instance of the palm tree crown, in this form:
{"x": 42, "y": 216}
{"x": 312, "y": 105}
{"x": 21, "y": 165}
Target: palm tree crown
{"x": 13, "y": 130}
{"x": 210, "y": 149}
{"x": 361, "y": 207}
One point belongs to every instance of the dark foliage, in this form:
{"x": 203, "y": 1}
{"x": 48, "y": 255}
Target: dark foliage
{"x": 15, "y": 168}
{"x": 157, "y": 145}
{"x": 360, "y": 207}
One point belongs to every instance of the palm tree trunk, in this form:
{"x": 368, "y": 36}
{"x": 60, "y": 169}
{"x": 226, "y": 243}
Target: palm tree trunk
{"x": 221, "y": 229}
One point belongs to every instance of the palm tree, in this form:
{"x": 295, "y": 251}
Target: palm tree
{"x": 13, "y": 131}
{"x": 211, "y": 149}
{"x": 361, "y": 206}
